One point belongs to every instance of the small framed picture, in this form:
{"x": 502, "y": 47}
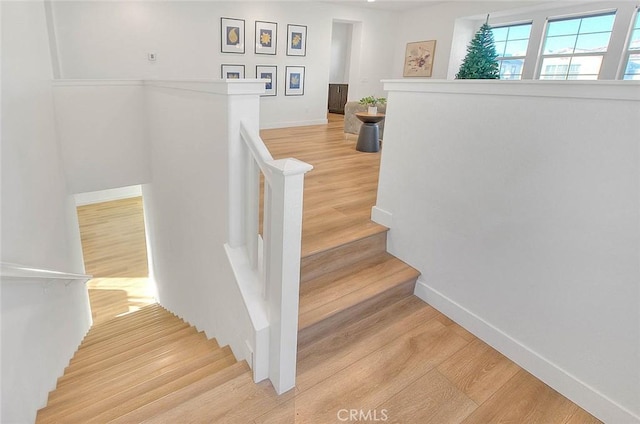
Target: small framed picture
{"x": 232, "y": 35}
{"x": 232, "y": 71}
{"x": 296, "y": 40}
{"x": 294, "y": 78}
{"x": 418, "y": 58}
{"x": 268, "y": 73}
{"x": 266, "y": 37}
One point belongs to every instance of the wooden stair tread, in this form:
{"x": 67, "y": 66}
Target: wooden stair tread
{"x": 346, "y": 254}
{"x": 114, "y": 403}
{"x": 87, "y": 387}
{"x": 134, "y": 340}
{"x": 235, "y": 401}
{"x": 343, "y": 288}
{"x": 160, "y": 344}
{"x": 132, "y": 316}
{"x": 174, "y": 351}
{"x": 123, "y": 330}
{"x": 178, "y": 397}
{"x": 339, "y": 232}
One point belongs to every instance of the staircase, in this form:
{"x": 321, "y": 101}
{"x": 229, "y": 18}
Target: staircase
{"x": 142, "y": 366}
{"x": 150, "y": 366}
{"x": 348, "y": 281}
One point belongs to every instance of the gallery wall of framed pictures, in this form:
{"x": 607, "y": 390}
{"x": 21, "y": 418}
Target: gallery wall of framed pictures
{"x": 233, "y": 38}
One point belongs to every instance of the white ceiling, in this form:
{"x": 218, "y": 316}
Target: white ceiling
{"x": 391, "y": 5}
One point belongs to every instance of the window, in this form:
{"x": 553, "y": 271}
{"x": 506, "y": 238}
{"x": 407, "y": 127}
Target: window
{"x": 632, "y": 70}
{"x": 574, "y": 47}
{"x": 511, "y": 45}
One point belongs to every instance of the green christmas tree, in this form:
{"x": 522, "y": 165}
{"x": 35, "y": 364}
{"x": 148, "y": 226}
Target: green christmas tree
{"x": 480, "y": 61}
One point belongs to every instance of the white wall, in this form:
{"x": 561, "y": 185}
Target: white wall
{"x": 340, "y": 53}
{"x": 519, "y": 203}
{"x": 103, "y": 134}
{"x": 453, "y": 24}
{"x": 108, "y": 195}
{"x": 186, "y": 209}
{"x": 112, "y": 39}
{"x": 40, "y": 328}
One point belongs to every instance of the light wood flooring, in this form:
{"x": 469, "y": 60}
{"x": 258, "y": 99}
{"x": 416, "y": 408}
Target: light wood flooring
{"x": 406, "y": 362}
{"x": 115, "y": 254}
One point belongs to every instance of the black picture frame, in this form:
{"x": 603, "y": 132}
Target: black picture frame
{"x": 296, "y": 40}
{"x": 294, "y": 81}
{"x": 232, "y": 35}
{"x": 268, "y": 72}
{"x": 231, "y": 71}
{"x": 266, "y": 38}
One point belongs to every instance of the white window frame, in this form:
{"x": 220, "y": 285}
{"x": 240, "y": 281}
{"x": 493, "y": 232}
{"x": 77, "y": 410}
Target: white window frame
{"x": 524, "y": 58}
{"x": 627, "y": 50}
{"x": 543, "y": 42}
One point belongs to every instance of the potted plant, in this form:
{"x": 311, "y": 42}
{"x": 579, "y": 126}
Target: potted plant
{"x": 372, "y": 103}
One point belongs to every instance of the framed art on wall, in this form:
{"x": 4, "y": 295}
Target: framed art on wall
{"x": 418, "y": 58}
{"x": 232, "y": 35}
{"x": 232, "y": 71}
{"x": 266, "y": 37}
{"x": 296, "y": 40}
{"x": 294, "y": 79}
{"x": 269, "y": 73}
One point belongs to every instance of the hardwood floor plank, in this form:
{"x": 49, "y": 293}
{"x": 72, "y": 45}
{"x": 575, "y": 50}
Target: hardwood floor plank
{"x": 523, "y": 399}
{"x": 478, "y": 370}
{"x": 113, "y": 238}
{"x": 328, "y": 356}
{"x": 431, "y": 399}
{"x": 375, "y": 378}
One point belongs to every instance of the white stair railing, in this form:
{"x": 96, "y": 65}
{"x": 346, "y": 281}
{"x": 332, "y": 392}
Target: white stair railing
{"x": 274, "y": 257}
{"x": 10, "y": 271}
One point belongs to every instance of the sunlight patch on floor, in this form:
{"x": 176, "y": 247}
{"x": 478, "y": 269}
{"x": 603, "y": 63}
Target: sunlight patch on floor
{"x": 113, "y": 297}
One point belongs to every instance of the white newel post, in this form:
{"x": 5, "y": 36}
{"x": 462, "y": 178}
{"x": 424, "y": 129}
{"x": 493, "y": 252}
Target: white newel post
{"x": 270, "y": 287}
{"x": 282, "y": 262}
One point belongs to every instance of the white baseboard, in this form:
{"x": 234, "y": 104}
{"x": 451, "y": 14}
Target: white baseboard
{"x": 381, "y": 216}
{"x": 568, "y": 385}
{"x": 108, "y": 195}
{"x": 272, "y": 125}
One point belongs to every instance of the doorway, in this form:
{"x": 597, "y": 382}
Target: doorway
{"x": 113, "y": 235}
{"x": 340, "y": 66}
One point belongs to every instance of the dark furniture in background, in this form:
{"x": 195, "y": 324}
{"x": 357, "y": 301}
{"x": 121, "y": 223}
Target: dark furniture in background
{"x": 337, "y": 97}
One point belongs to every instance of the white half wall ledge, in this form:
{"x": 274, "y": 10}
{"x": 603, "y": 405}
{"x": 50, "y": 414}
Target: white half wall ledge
{"x": 228, "y": 86}
{"x": 214, "y": 86}
{"x": 606, "y": 90}
{"x": 95, "y": 82}
{"x": 577, "y": 391}
{"x": 382, "y": 217}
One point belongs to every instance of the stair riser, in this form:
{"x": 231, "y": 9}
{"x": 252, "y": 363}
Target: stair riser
{"x": 122, "y": 345}
{"x": 341, "y": 256}
{"x": 147, "y": 395}
{"x": 107, "y": 356}
{"x": 123, "y": 328}
{"x": 143, "y": 372}
{"x": 84, "y": 408}
{"x": 174, "y": 399}
{"x": 131, "y": 318}
{"x": 123, "y": 365}
{"x": 346, "y": 317}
